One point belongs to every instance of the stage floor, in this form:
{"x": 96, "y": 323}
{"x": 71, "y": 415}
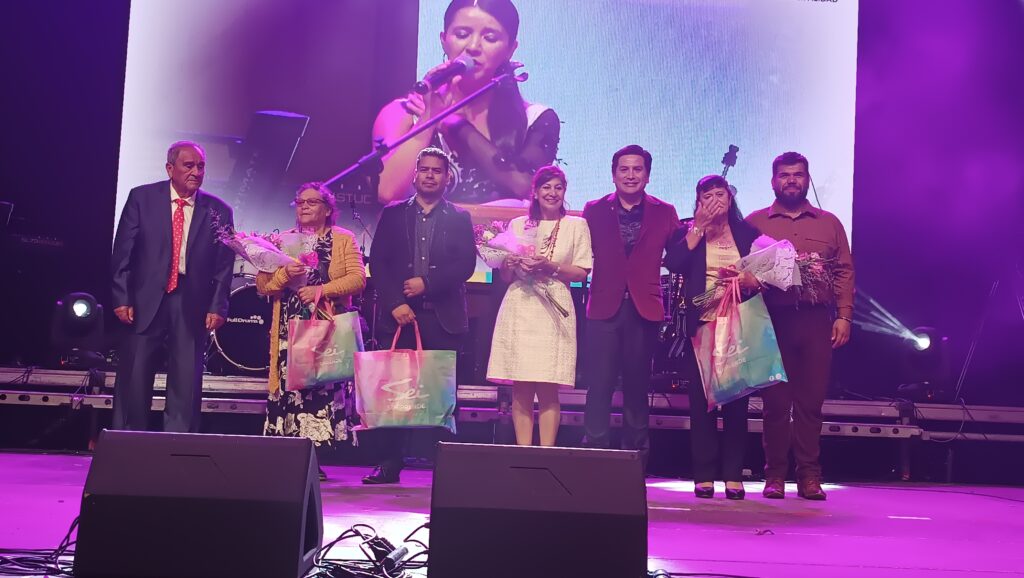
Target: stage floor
{"x": 898, "y": 530}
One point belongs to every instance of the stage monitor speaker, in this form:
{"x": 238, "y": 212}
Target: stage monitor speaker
{"x": 172, "y": 505}
{"x": 515, "y": 511}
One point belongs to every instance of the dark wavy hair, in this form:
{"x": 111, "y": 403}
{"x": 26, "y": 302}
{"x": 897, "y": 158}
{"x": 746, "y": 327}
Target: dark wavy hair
{"x": 543, "y": 175}
{"x": 632, "y": 149}
{"x": 709, "y": 182}
{"x": 506, "y": 119}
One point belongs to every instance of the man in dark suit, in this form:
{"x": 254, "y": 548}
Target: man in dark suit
{"x": 423, "y": 253}
{"x": 171, "y": 278}
{"x": 629, "y": 230}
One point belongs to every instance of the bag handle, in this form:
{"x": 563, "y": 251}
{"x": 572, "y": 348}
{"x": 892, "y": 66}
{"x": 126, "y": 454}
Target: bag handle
{"x": 329, "y": 307}
{"x": 416, "y": 328}
{"x": 730, "y": 296}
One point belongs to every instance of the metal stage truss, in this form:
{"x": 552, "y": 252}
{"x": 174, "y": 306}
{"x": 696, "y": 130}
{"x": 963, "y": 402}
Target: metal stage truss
{"x": 901, "y": 421}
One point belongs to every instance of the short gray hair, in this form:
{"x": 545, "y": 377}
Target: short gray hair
{"x": 175, "y": 149}
{"x": 325, "y": 195}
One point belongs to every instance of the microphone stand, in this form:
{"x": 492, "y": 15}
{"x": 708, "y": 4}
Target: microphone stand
{"x": 372, "y": 164}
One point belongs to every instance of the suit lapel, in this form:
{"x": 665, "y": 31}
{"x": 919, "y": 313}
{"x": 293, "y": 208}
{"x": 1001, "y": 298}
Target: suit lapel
{"x": 440, "y": 228}
{"x": 612, "y": 225}
{"x": 162, "y": 213}
{"x": 646, "y": 222}
{"x": 409, "y": 220}
{"x": 199, "y": 214}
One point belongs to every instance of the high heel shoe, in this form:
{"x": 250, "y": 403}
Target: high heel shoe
{"x": 704, "y": 493}
{"x": 731, "y": 494}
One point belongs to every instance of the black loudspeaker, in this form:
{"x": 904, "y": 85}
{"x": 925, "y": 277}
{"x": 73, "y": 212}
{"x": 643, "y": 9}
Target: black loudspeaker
{"x": 512, "y": 511}
{"x": 174, "y": 505}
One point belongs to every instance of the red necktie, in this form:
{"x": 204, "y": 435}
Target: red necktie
{"x": 177, "y": 232}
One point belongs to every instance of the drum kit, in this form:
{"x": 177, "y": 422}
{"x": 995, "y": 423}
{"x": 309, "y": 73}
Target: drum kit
{"x": 242, "y": 345}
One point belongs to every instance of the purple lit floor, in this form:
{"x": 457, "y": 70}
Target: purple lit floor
{"x": 897, "y": 530}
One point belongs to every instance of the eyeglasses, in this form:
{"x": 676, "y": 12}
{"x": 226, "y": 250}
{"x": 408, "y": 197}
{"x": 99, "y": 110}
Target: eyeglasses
{"x": 307, "y": 202}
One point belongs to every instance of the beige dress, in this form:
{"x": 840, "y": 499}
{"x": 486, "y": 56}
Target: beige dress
{"x": 532, "y": 340}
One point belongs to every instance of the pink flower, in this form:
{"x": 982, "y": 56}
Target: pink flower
{"x": 309, "y": 259}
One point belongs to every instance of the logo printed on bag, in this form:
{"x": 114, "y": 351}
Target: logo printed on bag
{"x": 330, "y": 351}
{"x": 403, "y": 399}
{"x": 736, "y": 351}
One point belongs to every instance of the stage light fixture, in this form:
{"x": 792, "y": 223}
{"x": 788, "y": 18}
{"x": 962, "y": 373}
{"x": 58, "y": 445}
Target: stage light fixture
{"x": 924, "y": 338}
{"x": 922, "y": 342}
{"x": 926, "y": 367}
{"x": 81, "y": 308}
{"x": 76, "y": 330}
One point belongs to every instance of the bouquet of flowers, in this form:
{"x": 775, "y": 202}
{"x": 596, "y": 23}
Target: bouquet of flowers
{"x": 496, "y": 242}
{"x": 817, "y": 279}
{"x": 772, "y": 263}
{"x": 778, "y": 264}
{"x": 270, "y": 251}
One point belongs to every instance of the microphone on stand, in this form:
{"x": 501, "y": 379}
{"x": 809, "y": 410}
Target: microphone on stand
{"x": 461, "y": 65}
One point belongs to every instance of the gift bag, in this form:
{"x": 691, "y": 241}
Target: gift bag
{"x": 405, "y": 388}
{"x": 320, "y": 350}
{"x": 737, "y": 352}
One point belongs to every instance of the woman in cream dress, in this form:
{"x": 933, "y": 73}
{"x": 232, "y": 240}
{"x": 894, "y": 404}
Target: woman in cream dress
{"x": 534, "y": 343}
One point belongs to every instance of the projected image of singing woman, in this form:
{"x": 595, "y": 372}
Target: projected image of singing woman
{"x": 497, "y": 141}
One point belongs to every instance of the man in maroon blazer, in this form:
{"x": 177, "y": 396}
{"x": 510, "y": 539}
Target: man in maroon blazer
{"x": 629, "y": 230}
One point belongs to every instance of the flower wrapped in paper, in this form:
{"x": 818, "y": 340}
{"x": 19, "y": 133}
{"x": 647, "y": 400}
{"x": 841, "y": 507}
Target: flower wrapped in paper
{"x": 778, "y": 264}
{"x": 268, "y": 252}
{"x": 258, "y": 250}
{"x": 772, "y": 263}
{"x": 496, "y": 242}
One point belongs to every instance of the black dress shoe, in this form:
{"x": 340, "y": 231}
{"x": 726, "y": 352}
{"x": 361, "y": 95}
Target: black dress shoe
{"x": 704, "y": 493}
{"x": 381, "y": 475}
{"x": 731, "y": 494}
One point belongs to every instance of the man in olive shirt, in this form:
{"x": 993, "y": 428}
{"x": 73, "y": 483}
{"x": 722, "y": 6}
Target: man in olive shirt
{"x": 808, "y": 330}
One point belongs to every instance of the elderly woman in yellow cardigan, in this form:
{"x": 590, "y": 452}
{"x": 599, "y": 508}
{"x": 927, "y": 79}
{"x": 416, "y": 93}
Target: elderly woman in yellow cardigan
{"x": 315, "y": 413}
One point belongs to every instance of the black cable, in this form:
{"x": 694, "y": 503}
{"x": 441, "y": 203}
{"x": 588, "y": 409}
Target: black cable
{"x": 963, "y": 422}
{"x": 35, "y": 562}
{"x": 24, "y": 377}
{"x": 817, "y": 201}
{"x": 375, "y": 548}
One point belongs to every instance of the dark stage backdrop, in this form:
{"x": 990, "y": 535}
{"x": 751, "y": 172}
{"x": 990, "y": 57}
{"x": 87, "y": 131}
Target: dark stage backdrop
{"x": 939, "y": 187}
{"x": 62, "y": 90}
{"x": 938, "y": 181}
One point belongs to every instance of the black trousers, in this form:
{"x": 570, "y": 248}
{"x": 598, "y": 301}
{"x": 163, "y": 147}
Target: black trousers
{"x": 622, "y": 345}
{"x": 389, "y": 445}
{"x": 136, "y": 369}
{"x": 715, "y": 456}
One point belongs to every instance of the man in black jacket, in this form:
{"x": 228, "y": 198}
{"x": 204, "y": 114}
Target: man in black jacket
{"x": 423, "y": 253}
